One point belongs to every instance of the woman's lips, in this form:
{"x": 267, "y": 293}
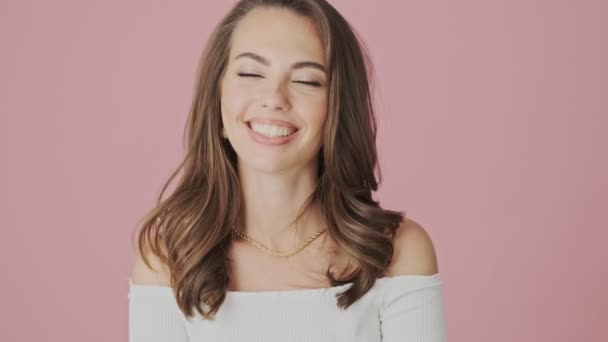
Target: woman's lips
{"x": 264, "y": 140}
{"x": 272, "y": 122}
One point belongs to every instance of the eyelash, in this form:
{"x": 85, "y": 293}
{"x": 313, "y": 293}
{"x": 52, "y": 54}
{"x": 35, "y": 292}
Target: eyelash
{"x": 314, "y": 84}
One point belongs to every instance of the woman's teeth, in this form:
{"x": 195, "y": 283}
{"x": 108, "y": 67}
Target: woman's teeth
{"x": 272, "y": 131}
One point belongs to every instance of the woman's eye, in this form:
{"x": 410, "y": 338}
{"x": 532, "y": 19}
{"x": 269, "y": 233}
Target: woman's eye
{"x": 247, "y": 75}
{"x": 313, "y": 83}
{"x": 310, "y": 83}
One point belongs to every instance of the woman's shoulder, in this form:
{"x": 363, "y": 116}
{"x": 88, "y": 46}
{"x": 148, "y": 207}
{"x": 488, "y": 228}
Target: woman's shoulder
{"x": 155, "y": 272}
{"x": 413, "y": 251}
{"x": 413, "y": 254}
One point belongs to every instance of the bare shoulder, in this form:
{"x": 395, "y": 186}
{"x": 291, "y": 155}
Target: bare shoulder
{"x": 413, "y": 251}
{"x": 142, "y": 274}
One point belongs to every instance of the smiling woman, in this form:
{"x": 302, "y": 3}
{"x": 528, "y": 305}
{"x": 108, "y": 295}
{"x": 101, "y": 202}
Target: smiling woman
{"x": 272, "y": 233}
{"x": 274, "y": 91}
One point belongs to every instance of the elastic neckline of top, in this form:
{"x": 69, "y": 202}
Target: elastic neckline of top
{"x": 297, "y": 291}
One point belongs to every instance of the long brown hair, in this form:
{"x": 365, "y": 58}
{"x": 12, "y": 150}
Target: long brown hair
{"x": 190, "y": 230}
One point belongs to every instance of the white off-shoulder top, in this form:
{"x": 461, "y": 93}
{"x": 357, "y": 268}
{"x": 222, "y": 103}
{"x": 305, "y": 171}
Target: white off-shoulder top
{"x": 403, "y": 308}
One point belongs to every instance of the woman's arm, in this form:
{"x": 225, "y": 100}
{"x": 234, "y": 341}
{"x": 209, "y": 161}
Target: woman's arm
{"x": 412, "y": 307}
{"x": 413, "y": 310}
{"x": 154, "y": 315}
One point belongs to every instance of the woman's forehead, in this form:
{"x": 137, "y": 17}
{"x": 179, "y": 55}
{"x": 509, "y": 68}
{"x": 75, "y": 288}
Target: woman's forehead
{"x": 278, "y": 33}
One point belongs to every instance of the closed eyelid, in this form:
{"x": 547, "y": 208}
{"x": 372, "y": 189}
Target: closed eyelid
{"x": 306, "y": 81}
{"x": 297, "y": 79}
{"x": 298, "y": 65}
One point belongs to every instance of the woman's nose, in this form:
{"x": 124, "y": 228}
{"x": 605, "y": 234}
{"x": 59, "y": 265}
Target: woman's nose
{"x": 276, "y": 97}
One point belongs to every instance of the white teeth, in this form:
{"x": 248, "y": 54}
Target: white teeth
{"x": 271, "y": 130}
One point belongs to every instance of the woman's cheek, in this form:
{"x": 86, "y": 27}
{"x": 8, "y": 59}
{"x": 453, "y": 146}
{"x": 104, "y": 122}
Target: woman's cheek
{"x": 235, "y": 98}
{"x": 319, "y": 108}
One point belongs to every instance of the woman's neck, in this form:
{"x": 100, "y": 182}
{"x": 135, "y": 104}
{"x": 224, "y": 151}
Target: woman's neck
{"x": 271, "y": 204}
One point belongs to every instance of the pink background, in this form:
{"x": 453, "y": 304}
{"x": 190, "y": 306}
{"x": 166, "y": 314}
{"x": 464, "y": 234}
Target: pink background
{"x": 493, "y": 119}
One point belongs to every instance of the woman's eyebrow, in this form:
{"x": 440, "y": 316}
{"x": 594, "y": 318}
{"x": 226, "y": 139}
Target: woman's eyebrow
{"x": 266, "y": 62}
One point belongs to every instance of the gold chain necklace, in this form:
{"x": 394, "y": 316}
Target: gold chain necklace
{"x": 270, "y": 251}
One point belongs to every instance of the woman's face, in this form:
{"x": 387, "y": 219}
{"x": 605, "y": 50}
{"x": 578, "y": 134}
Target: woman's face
{"x": 274, "y": 91}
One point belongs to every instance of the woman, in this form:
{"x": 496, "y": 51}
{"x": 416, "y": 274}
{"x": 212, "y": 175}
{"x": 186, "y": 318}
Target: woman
{"x": 272, "y": 233}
